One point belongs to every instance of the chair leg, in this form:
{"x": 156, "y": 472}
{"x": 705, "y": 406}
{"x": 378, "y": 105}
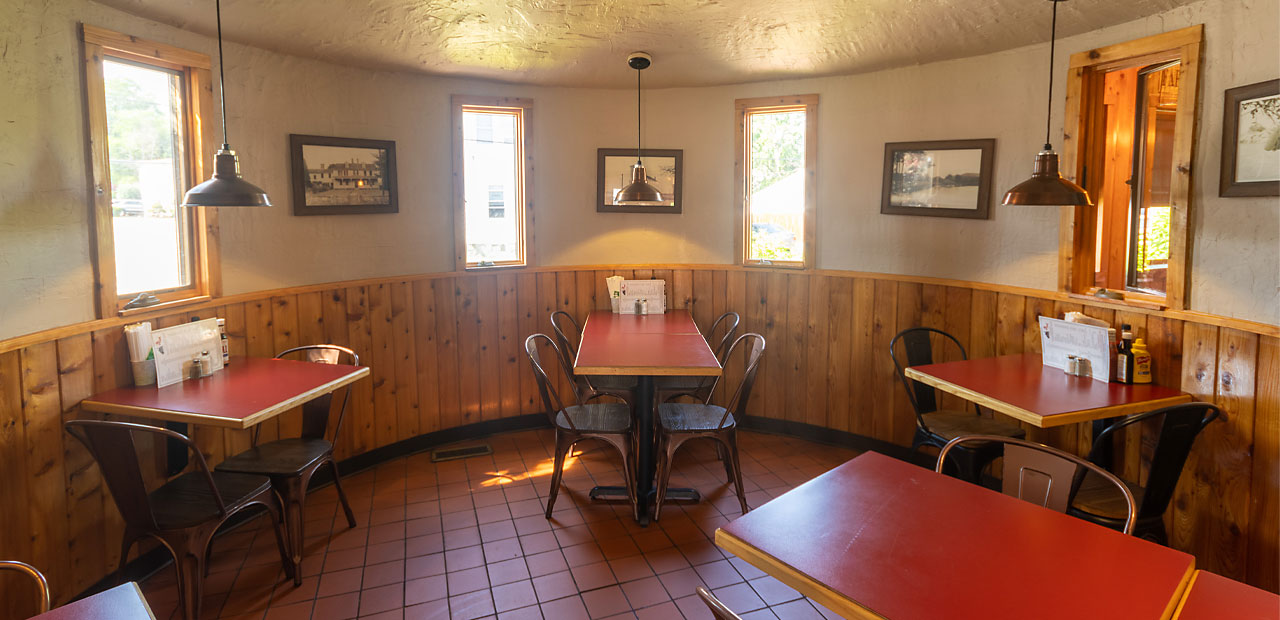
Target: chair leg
{"x": 127, "y": 543}
{"x": 666, "y": 450}
{"x": 731, "y": 444}
{"x": 557, "y": 472}
{"x": 342, "y": 496}
{"x": 623, "y": 446}
{"x": 188, "y": 563}
{"x": 294, "y": 496}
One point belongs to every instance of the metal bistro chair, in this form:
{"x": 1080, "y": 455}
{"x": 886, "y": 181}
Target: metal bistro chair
{"x": 1181, "y": 425}
{"x": 935, "y": 427}
{"x": 185, "y": 512}
{"x": 616, "y": 386}
{"x": 608, "y": 422}
{"x": 290, "y": 463}
{"x": 680, "y": 422}
{"x": 718, "y": 609}
{"x": 1041, "y": 474}
{"x": 42, "y": 584}
{"x": 699, "y": 388}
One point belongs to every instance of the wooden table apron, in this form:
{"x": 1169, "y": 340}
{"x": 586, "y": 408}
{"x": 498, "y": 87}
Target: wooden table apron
{"x": 644, "y": 347}
{"x": 881, "y": 538}
{"x": 123, "y": 602}
{"x": 244, "y": 393}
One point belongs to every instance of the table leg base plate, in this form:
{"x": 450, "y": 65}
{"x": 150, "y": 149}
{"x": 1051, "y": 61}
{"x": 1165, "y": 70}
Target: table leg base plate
{"x": 607, "y": 493}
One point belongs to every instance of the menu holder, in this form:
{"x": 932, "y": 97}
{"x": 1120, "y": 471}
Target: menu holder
{"x": 1060, "y": 339}
{"x": 655, "y": 291}
{"x": 176, "y": 347}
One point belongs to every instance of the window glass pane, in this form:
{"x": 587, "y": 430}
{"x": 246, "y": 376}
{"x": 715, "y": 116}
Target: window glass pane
{"x": 1157, "y": 112}
{"x": 775, "y": 185}
{"x": 491, "y": 187}
{"x": 144, "y": 112}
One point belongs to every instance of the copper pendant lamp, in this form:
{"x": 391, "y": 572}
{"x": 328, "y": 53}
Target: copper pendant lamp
{"x": 639, "y": 192}
{"x": 1046, "y": 187}
{"x": 226, "y": 188}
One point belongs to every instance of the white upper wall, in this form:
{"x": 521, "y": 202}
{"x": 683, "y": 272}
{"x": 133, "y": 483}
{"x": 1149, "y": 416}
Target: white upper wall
{"x": 46, "y": 275}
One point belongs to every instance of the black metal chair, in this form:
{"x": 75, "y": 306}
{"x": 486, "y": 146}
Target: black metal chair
{"x": 934, "y": 426}
{"x": 680, "y": 422}
{"x": 698, "y": 388}
{"x": 1178, "y": 432}
{"x": 617, "y": 386}
{"x": 290, "y": 463}
{"x": 611, "y": 423}
{"x": 185, "y": 512}
{"x": 1042, "y": 474}
{"x": 42, "y": 584}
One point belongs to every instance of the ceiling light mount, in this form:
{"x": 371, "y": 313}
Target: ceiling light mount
{"x": 639, "y": 60}
{"x": 639, "y": 192}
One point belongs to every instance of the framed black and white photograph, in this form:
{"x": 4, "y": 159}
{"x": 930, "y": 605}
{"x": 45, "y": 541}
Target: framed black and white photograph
{"x": 1251, "y": 141}
{"x": 663, "y": 167}
{"x": 942, "y": 178}
{"x": 336, "y": 176}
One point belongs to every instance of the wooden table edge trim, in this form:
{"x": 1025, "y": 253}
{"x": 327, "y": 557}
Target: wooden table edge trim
{"x": 1185, "y": 594}
{"x": 802, "y": 583}
{"x": 1115, "y": 411}
{"x": 651, "y": 371}
{"x": 1180, "y": 595}
{"x": 979, "y": 398}
{"x": 244, "y": 423}
{"x": 145, "y": 605}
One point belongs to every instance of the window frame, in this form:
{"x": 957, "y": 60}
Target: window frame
{"x": 742, "y": 109}
{"x": 522, "y": 198}
{"x": 195, "y": 71}
{"x": 1082, "y": 150}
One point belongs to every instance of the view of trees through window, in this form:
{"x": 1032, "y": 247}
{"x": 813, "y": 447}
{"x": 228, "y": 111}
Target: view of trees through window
{"x": 145, "y": 149}
{"x": 776, "y": 185}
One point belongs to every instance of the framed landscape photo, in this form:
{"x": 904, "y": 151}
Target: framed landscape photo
{"x": 663, "y": 167}
{"x": 337, "y": 176}
{"x": 942, "y": 178}
{"x": 1251, "y": 141}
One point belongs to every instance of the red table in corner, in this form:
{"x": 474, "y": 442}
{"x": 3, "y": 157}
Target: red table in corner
{"x": 1211, "y": 597}
{"x": 123, "y": 602}
{"x": 881, "y": 538}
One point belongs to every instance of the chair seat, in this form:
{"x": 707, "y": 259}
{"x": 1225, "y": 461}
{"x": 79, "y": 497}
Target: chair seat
{"x": 595, "y": 418}
{"x": 693, "y": 418}
{"x": 951, "y": 424}
{"x": 1100, "y": 498}
{"x": 186, "y": 501}
{"x": 285, "y": 457}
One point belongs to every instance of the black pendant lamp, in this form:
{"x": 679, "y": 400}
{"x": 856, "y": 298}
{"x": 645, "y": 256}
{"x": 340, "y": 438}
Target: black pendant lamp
{"x": 226, "y": 188}
{"x": 1046, "y": 187}
{"x": 639, "y": 192}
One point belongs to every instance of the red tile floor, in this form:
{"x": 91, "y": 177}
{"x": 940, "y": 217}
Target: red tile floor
{"x": 468, "y": 539}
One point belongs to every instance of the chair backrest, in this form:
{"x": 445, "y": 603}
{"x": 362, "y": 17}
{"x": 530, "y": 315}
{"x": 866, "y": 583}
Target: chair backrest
{"x": 562, "y": 324}
{"x": 1178, "y": 432}
{"x": 113, "y": 445}
{"x": 42, "y": 584}
{"x": 1041, "y": 474}
{"x": 550, "y": 397}
{"x": 914, "y": 347}
{"x": 729, "y": 321}
{"x": 752, "y": 346}
{"x": 718, "y": 609}
{"x": 315, "y": 412}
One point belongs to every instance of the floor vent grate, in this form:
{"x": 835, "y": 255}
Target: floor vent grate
{"x": 453, "y": 454}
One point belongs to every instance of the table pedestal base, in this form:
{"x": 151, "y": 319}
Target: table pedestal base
{"x": 611, "y": 493}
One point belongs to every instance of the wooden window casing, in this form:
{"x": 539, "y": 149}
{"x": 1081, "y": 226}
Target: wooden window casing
{"x": 743, "y": 109}
{"x": 194, "y": 70}
{"x": 522, "y": 197}
{"x": 1083, "y": 158}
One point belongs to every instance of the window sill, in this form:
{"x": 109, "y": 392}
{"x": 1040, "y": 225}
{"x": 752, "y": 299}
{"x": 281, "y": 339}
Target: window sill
{"x": 756, "y": 264}
{"x": 1131, "y": 300}
{"x": 164, "y": 305}
{"x": 495, "y": 267}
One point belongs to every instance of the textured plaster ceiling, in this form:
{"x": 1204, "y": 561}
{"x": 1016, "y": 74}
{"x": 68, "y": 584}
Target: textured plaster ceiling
{"x": 585, "y": 43}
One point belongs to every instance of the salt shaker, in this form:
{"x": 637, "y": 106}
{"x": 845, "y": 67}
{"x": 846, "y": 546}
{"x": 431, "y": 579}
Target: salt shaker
{"x": 206, "y": 364}
{"x": 644, "y": 306}
{"x": 1073, "y": 365}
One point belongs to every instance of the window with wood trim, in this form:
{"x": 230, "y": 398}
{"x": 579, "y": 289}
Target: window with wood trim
{"x": 146, "y": 105}
{"x": 492, "y": 219}
{"x": 1130, "y": 124}
{"x": 776, "y": 155}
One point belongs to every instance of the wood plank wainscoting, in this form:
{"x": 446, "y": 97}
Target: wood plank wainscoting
{"x": 445, "y": 350}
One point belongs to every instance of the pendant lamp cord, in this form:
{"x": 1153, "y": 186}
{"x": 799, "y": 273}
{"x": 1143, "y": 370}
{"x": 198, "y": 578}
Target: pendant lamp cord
{"x": 638, "y": 134}
{"x": 222, "y": 73}
{"x": 1053, "y": 37}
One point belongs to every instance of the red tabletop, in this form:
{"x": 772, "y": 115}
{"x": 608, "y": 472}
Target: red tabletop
{"x": 123, "y": 602}
{"x": 1020, "y": 387}
{"x": 1212, "y": 597}
{"x": 878, "y": 537}
{"x": 242, "y": 394}
{"x": 652, "y": 345}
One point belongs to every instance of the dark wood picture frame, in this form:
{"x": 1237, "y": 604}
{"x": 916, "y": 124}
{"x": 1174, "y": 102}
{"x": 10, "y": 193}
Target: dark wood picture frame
{"x": 1228, "y": 187}
{"x": 982, "y": 210}
{"x": 300, "y": 176}
{"x": 649, "y": 154}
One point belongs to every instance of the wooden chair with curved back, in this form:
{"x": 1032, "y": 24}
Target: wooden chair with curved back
{"x": 291, "y": 462}
{"x": 611, "y": 423}
{"x": 185, "y": 512}
{"x": 934, "y": 426}
{"x": 42, "y": 584}
{"x": 680, "y": 422}
{"x": 622, "y": 387}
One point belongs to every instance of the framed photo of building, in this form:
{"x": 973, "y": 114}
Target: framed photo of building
{"x": 942, "y": 178}
{"x": 1251, "y": 141}
{"x": 663, "y": 167}
{"x": 337, "y": 176}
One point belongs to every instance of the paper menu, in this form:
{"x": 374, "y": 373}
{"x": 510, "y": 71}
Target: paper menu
{"x": 644, "y": 288}
{"x": 1058, "y": 339}
{"x": 174, "y": 348}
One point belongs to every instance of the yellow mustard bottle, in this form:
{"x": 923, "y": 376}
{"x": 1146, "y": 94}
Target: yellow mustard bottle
{"x": 1141, "y": 362}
